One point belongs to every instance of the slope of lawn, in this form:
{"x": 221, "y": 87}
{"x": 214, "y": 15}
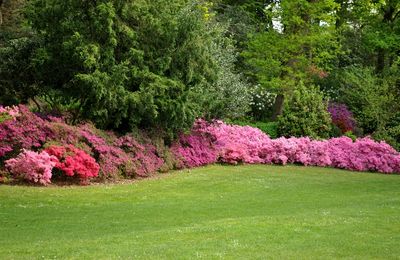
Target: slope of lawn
{"x": 248, "y": 212}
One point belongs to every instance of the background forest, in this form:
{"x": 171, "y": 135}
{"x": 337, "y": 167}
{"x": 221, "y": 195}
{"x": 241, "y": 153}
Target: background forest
{"x": 317, "y": 68}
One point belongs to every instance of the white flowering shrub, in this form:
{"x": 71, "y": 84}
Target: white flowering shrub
{"x": 262, "y": 102}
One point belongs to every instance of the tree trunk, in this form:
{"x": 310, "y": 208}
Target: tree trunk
{"x": 380, "y": 60}
{"x": 1, "y": 12}
{"x": 342, "y": 13}
{"x": 278, "y": 106}
{"x": 389, "y": 15}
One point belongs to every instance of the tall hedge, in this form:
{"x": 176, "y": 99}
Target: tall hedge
{"x": 122, "y": 63}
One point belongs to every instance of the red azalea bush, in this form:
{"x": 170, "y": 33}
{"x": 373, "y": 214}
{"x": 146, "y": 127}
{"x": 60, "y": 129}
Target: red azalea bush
{"x": 32, "y": 166}
{"x": 74, "y": 162}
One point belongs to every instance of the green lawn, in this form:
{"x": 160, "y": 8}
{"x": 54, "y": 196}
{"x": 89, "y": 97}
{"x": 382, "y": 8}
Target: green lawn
{"x": 246, "y": 212}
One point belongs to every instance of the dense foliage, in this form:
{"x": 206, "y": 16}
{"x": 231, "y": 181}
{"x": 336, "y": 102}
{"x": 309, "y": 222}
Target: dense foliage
{"x": 305, "y": 114}
{"x": 125, "y": 64}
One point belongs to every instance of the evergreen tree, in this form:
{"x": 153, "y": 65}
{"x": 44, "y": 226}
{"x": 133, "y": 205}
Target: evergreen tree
{"x": 123, "y": 63}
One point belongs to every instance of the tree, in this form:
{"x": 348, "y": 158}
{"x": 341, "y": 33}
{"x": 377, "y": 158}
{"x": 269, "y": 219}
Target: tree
{"x": 301, "y": 45}
{"x": 370, "y": 32}
{"x": 123, "y": 63}
{"x": 11, "y": 20}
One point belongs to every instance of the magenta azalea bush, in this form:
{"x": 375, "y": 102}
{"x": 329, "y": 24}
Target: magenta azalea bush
{"x": 32, "y": 166}
{"x": 194, "y": 150}
{"x": 26, "y": 131}
{"x": 237, "y": 144}
{"x": 342, "y": 117}
{"x": 121, "y": 155}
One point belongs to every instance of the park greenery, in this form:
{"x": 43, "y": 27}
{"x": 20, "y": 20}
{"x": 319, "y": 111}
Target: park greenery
{"x": 119, "y": 88}
{"x": 264, "y": 111}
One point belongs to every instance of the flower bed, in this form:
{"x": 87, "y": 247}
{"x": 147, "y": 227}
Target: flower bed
{"x": 243, "y": 144}
{"x": 32, "y": 147}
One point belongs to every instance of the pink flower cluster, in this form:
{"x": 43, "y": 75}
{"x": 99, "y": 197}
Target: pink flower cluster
{"x": 74, "y": 162}
{"x": 26, "y": 131}
{"x": 13, "y": 111}
{"x": 32, "y": 166}
{"x": 194, "y": 150}
{"x": 236, "y": 144}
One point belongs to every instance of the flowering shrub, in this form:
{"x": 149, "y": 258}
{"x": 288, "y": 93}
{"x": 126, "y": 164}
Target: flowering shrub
{"x": 27, "y": 131}
{"x": 122, "y": 155}
{"x": 32, "y": 166}
{"x": 112, "y": 159}
{"x": 143, "y": 158}
{"x": 341, "y": 117}
{"x": 235, "y": 144}
{"x": 193, "y": 150}
{"x": 74, "y": 162}
{"x": 13, "y": 111}
{"x": 83, "y": 151}
{"x": 262, "y": 102}
{"x": 114, "y": 155}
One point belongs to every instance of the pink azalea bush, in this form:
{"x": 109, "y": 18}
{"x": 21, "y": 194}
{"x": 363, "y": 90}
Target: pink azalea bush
{"x": 32, "y": 166}
{"x": 13, "y": 111}
{"x": 236, "y": 144}
{"x": 74, "y": 162}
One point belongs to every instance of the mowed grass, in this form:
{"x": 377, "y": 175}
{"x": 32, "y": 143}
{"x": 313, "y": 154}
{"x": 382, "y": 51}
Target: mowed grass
{"x": 243, "y": 212}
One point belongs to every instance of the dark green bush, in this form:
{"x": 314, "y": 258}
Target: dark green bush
{"x": 270, "y": 128}
{"x": 305, "y": 114}
{"x": 122, "y": 64}
{"x": 390, "y": 133}
{"x": 371, "y": 99}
